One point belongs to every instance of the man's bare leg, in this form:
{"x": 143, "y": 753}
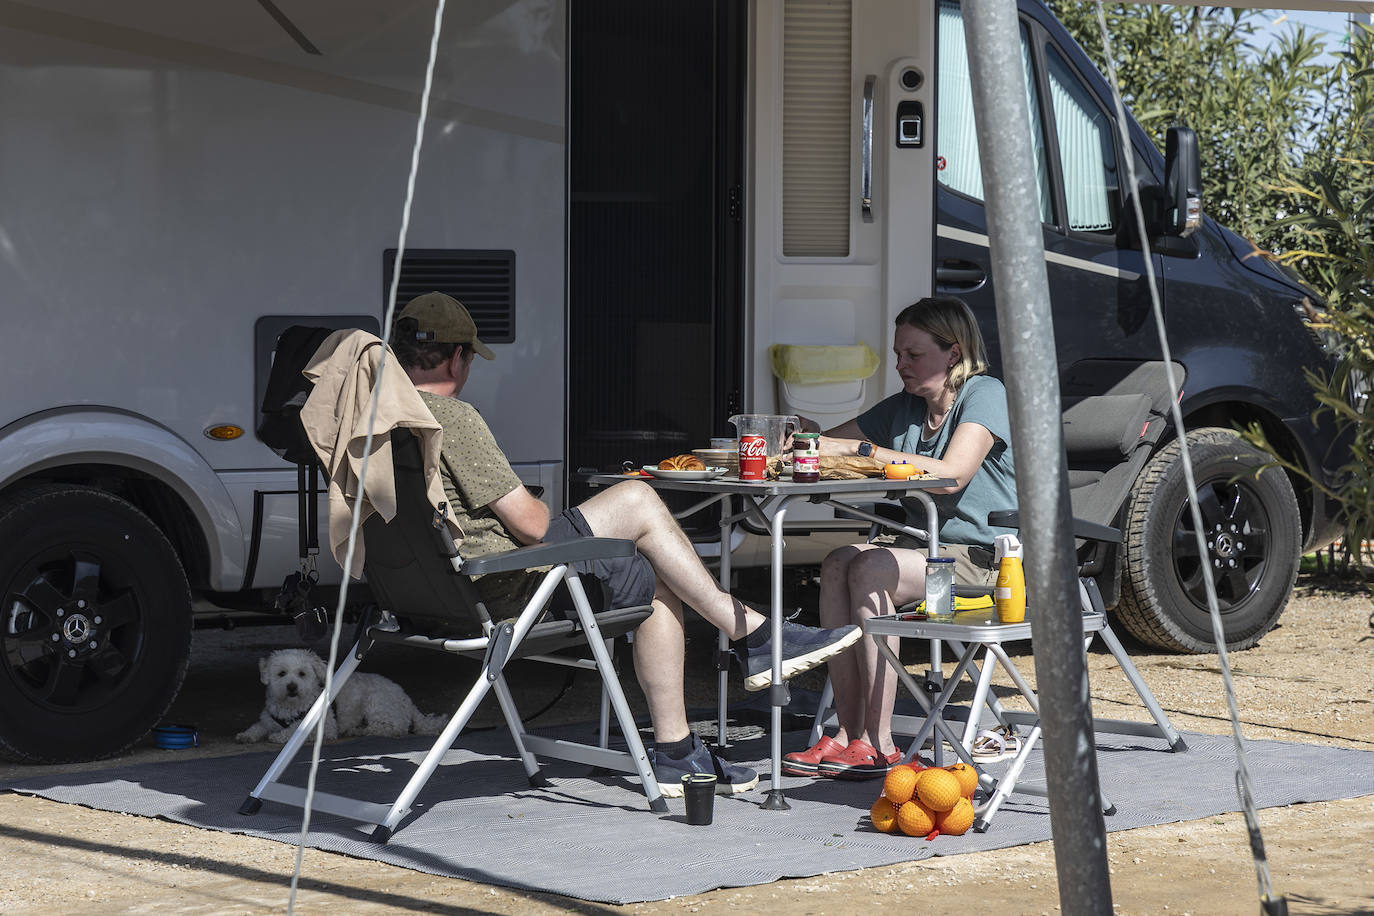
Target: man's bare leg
{"x": 633, "y": 511}
{"x": 659, "y": 646}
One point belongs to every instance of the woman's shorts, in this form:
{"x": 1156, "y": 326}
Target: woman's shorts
{"x": 973, "y": 565}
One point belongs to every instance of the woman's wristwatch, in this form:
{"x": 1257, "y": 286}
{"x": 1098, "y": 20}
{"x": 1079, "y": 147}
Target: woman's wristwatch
{"x": 865, "y": 449}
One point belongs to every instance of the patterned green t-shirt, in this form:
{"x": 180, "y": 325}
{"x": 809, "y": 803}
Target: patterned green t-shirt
{"x": 476, "y": 473}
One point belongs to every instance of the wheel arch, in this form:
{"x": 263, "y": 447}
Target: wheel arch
{"x": 1235, "y": 413}
{"x": 142, "y": 462}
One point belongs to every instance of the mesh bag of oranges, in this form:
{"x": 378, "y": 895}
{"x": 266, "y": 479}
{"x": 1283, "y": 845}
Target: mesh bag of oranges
{"x": 926, "y": 801}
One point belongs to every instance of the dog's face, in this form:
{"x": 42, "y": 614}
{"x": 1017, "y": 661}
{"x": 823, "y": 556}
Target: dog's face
{"x": 292, "y": 676}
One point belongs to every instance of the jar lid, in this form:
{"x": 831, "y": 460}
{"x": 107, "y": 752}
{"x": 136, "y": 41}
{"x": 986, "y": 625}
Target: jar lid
{"x": 806, "y": 435}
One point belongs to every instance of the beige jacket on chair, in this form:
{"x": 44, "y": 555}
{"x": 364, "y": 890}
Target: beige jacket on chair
{"x": 335, "y": 416}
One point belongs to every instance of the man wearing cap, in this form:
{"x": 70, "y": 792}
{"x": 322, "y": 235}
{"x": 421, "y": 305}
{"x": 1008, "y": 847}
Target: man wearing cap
{"x": 434, "y": 341}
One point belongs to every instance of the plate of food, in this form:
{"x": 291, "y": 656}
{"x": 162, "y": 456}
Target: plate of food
{"x": 669, "y": 474}
{"x": 683, "y": 467}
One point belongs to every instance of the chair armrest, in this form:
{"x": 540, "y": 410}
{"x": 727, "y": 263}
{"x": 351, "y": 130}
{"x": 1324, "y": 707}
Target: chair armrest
{"x": 1082, "y": 528}
{"x": 549, "y": 555}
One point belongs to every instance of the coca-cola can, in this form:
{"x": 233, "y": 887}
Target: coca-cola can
{"x": 753, "y": 458}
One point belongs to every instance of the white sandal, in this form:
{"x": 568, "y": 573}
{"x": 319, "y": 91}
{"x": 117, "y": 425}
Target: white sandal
{"x": 990, "y": 746}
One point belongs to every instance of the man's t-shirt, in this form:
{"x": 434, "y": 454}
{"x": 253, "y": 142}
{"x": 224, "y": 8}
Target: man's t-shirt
{"x": 898, "y": 423}
{"x": 476, "y": 473}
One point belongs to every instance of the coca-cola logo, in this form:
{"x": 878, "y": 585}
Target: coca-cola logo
{"x": 752, "y": 447}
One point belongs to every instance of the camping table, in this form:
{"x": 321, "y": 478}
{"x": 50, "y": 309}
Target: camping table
{"x": 767, "y": 502}
{"x": 970, "y": 632}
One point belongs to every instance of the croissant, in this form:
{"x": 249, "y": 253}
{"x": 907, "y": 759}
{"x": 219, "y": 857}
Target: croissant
{"x": 682, "y": 463}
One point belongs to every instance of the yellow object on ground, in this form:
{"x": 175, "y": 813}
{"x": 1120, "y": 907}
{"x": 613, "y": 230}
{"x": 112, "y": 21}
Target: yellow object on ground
{"x": 884, "y": 815}
{"x": 957, "y": 820}
{"x": 938, "y": 789}
{"x": 915, "y": 819}
{"x": 967, "y": 776}
{"x": 899, "y": 784}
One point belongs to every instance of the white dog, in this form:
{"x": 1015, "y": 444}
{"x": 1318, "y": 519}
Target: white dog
{"x": 368, "y": 704}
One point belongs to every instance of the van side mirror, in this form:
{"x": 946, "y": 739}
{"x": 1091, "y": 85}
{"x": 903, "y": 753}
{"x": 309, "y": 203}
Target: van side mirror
{"x": 1182, "y": 183}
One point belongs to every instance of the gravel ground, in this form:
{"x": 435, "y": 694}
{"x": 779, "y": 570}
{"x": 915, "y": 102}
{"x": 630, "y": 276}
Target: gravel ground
{"x": 1307, "y": 681}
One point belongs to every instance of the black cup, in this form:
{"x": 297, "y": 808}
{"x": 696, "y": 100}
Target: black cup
{"x": 699, "y": 790}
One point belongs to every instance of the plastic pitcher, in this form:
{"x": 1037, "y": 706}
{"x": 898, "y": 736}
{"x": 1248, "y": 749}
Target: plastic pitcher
{"x": 761, "y": 436}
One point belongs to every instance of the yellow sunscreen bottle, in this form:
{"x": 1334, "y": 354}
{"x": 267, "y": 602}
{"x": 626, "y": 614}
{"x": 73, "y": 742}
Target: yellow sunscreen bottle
{"x": 1010, "y": 593}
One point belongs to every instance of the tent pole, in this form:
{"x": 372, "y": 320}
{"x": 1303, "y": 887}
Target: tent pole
{"x": 1021, "y": 287}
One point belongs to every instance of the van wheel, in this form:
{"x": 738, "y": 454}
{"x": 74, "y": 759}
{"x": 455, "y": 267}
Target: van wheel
{"x": 97, "y": 624}
{"x": 1254, "y": 537}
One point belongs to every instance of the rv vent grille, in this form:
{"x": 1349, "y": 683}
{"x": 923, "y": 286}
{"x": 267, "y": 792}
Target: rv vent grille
{"x": 816, "y": 128}
{"x": 483, "y": 280}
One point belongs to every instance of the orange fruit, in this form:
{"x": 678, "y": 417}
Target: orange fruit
{"x": 884, "y": 815}
{"x": 967, "y": 776}
{"x": 899, "y": 784}
{"x": 957, "y": 820}
{"x": 938, "y": 789}
{"x": 915, "y": 819}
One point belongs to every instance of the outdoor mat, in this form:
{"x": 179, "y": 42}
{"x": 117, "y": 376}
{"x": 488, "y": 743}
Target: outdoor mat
{"x": 594, "y": 838}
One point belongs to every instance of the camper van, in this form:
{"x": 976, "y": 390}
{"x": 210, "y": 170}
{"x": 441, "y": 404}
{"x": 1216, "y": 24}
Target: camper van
{"x": 637, "y": 200}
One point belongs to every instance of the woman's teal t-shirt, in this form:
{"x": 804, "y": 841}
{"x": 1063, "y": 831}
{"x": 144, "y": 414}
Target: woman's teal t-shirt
{"x": 898, "y": 422}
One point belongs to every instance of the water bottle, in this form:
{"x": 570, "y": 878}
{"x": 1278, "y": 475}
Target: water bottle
{"x": 1010, "y": 593}
{"x": 940, "y": 589}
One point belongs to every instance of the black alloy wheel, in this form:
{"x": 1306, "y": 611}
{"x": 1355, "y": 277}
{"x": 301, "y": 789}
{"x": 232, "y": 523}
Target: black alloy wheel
{"x": 1253, "y": 537}
{"x": 97, "y": 624}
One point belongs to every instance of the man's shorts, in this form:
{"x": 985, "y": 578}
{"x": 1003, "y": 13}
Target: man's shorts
{"x": 620, "y": 581}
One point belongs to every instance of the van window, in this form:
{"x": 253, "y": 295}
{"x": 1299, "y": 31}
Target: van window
{"x": 960, "y": 168}
{"x": 1086, "y": 150}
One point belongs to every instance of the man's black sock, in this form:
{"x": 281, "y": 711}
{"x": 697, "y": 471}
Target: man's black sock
{"x": 676, "y": 749}
{"x": 755, "y": 640}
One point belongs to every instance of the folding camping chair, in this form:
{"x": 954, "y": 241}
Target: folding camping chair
{"x": 426, "y": 599}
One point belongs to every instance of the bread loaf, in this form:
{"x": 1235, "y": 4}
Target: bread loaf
{"x": 682, "y": 463}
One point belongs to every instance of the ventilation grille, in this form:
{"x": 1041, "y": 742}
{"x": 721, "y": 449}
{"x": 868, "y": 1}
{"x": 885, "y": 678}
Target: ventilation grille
{"x": 483, "y": 280}
{"x": 816, "y": 128}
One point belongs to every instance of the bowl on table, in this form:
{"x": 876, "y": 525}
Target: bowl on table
{"x": 720, "y": 458}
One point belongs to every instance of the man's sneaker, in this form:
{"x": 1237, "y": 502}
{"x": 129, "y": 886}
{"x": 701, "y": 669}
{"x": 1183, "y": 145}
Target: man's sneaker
{"x": 730, "y": 779}
{"x": 805, "y": 763}
{"x": 803, "y": 648}
{"x": 858, "y": 760}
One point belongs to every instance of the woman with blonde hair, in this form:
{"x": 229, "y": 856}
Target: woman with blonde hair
{"x": 950, "y": 420}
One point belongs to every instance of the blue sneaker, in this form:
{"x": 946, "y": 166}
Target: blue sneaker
{"x": 730, "y": 779}
{"x": 803, "y": 648}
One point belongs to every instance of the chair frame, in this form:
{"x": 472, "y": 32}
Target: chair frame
{"x": 400, "y": 622}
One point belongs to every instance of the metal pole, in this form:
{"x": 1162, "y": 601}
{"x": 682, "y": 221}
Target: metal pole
{"x": 992, "y": 32}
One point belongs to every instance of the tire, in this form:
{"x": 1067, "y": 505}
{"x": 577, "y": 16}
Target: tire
{"x": 97, "y": 633}
{"x": 1254, "y": 553}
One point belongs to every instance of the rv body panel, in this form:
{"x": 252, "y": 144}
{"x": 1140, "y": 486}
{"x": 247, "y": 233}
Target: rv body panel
{"x": 171, "y": 177}
{"x": 44, "y": 444}
{"x": 870, "y": 264}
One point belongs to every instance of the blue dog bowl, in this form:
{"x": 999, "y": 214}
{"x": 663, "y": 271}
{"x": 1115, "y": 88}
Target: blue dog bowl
{"x": 175, "y": 737}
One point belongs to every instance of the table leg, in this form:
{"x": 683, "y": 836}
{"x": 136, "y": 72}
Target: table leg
{"x": 935, "y": 720}
{"x": 723, "y": 642}
{"x": 775, "y": 801}
{"x": 980, "y": 696}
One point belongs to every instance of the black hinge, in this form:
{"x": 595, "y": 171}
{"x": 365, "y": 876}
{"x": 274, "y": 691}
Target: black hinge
{"x": 735, "y": 208}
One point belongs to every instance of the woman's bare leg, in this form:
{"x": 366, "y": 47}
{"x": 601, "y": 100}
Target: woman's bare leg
{"x": 837, "y": 609}
{"x": 878, "y": 582}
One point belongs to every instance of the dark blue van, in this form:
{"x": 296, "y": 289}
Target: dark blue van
{"x": 1236, "y": 328}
